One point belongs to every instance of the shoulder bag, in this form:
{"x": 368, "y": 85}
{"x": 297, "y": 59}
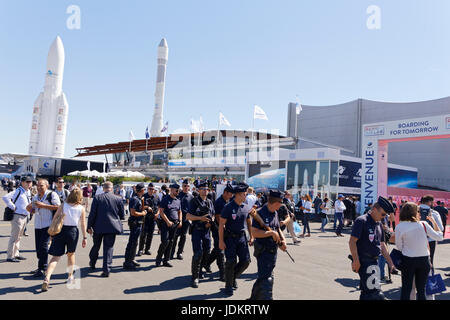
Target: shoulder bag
{"x": 57, "y": 222}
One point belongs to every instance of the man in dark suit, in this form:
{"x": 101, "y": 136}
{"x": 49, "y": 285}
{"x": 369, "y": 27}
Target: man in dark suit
{"x": 104, "y": 223}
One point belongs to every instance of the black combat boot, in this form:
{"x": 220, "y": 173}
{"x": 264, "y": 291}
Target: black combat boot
{"x": 229, "y": 277}
{"x": 195, "y": 269}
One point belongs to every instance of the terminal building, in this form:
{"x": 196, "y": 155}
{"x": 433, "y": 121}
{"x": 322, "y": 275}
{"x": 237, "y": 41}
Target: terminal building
{"x": 341, "y": 126}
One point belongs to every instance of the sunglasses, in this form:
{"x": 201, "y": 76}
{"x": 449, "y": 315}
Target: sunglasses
{"x": 60, "y": 181}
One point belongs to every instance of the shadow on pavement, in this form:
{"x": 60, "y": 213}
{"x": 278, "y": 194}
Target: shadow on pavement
{"x": 214, "y": 295}
{"x": 176, "y": 283}
{"x": 34, "y": 290}
{"x": 348, "y": 283}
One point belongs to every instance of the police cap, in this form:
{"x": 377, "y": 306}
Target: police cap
{"x": 385, "y": 204}
{"x": 150, "y": 185}
{"x": 241, "y": 187}
{"x": 275, "y": 194}
{"x": 174, "y": 186}
{"x": 202, "y": 184}
{"x": 185, "y": 181}
{"x": 139, "y": 187}
{"x": 229, "y": 188}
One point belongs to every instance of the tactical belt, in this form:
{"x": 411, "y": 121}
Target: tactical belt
{"x": 234, "y": 235}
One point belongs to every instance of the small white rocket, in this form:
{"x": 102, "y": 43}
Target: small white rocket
{"x": 50, "y": 110}
{"x": 157, "y": 122}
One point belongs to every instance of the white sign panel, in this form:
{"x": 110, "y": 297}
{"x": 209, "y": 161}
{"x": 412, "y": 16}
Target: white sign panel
{"x": 401, "y": 129}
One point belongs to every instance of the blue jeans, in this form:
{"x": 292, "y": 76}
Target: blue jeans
{"x": 306, "y": 223}
{"x": 335, "y": 220}
{"x": 381, "y": 264}
{"x": 324, "y": 223}
{"x": 339, "y": 217}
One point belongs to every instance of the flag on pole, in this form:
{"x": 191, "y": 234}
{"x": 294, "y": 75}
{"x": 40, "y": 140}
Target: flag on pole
{"x": 166, "y": 126}
{"x": 195, "y": 126}
{"x": 147, "y": 135}
{"x": 200, "y": 124}
{"x": 298, "y": 108}
{"x": 259, "y": 113}
{"x": 223, "y": 120}
{"x": 131, "y": 136}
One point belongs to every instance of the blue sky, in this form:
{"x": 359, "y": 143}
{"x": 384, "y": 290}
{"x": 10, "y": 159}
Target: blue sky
{"x": 223, "y": 56}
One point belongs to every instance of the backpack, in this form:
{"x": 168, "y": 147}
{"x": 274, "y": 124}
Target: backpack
{"x": 49, "y": 199}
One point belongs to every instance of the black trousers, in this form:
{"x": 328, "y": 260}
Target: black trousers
{"x": 369, "y": 275}
{"x": 108, "y": 248}
{"x": 432, "y": 251}
{"x": 418, "y": 267}
{"x": 42, "y": 239}
{"x": 180, "y": 235}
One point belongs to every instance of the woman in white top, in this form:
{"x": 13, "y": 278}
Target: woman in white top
{"x": 411, "y": 240}
{"x": 306, "y": 207}
{"x": 68, "y": 237}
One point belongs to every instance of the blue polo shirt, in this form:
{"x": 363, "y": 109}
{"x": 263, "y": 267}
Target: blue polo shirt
{"x": 136, "y": 204}
{"x": 219, "y": 204}
{"x": 236, "y": 217}
{"x": 171, "y": 207}
{"x": 185, "y": 199}
{"x": 370, "y": 234}
{"x": 271, "y": 220}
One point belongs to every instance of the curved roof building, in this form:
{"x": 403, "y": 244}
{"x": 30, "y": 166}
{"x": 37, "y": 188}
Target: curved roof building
{"x": 341, "y": 125}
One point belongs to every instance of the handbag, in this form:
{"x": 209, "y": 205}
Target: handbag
{"x": 397, "y": 258}
{"x": 297, "y": 228}
{"x": 435, "y": 284}
{"x": 57, "y": 222}
{"x": 8, "y": 215}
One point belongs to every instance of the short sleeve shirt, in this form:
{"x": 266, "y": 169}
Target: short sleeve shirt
{"x": 271, "y": 220}
{"x": 136, "y": 204}
{"x": 171, "y": 207}
{"x": 196, "y": 210}
{"x": 370, "y": 234}
{"x": 219, "y": 204}
{"x": 236, "y": 216}
{"x": 185, "y": 199}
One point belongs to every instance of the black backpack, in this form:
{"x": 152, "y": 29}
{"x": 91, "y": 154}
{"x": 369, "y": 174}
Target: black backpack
{"x": 8, "y": 215}
{"x": 49, "y": 199}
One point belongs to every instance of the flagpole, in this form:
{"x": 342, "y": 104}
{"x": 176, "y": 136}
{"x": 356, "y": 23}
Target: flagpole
{"x": 167, "y": 139}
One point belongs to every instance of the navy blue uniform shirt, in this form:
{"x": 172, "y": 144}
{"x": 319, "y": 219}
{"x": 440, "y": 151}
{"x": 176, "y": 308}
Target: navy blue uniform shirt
{"x": 195, "y": 209}
{"x": 271, "y": 220}
{"x": 185, "y": 199}
{"x": 236, "y": 217}
{"x": 136, "y": 204}
{"x": 370, "y": 234}
{"x": 171, "y": 207}
{"x": 219, "y": 204}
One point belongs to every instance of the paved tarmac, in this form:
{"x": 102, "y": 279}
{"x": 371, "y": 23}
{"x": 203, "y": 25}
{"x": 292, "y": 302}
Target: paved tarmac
{"x": 322, "y": 271}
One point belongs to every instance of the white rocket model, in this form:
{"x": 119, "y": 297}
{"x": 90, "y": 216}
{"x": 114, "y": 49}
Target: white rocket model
{"x": 157, "y": 122}
{"x": 50, "y": 110}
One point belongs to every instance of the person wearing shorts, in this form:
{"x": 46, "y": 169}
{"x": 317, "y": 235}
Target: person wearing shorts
{"x": 66, "y": 241}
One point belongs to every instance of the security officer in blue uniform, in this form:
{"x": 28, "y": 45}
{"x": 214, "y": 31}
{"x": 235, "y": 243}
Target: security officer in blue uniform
{"x": 185, "y": 197}
{"x": 268, "y": 237}
{"x": 135, "y": 221}
{"x": 366, "y": 243}
{"x": 201, "y": 213}
{"x": 232, "y": 237}
{"x": 217, "y": 253}
{"x": 170, "y": 219}
{"x": 151, "y": 203}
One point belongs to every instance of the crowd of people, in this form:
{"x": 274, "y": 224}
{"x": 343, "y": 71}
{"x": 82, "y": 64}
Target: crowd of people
{"x": 221, "y": 227}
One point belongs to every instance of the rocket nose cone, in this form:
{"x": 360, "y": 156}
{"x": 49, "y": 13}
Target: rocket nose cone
{"x": 163, "y": 43}
{"x": 55, "y": 59}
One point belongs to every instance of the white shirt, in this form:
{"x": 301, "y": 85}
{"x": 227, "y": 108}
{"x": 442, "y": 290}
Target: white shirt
{"x": 123, "y": 193}
{"x": 22, "y": 201}
{"x": 73, "y": 214}
{"x": 307, "y": 205}
{"x": 43, "y": 217}
{"x": 251, "y": 200}
{"x": 436, "y": 216}
{"x": 339, "y": 206}
{"x": 411, "y": 240}
{"x": 99, "y": 190}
